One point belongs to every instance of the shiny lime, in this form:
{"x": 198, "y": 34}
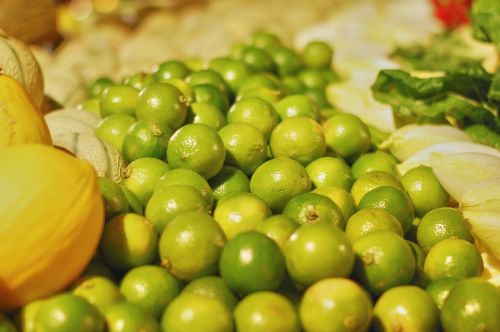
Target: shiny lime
{"x": 151, "y": 287}
{"x": 383, "y": 260}
{"x": 317, "y": 55}
{"x": 113, "y": 129}
{"x": 190, "y": 246}
{"x": 278, "y": 228}
{"x": 196, "y": 313}
{"x": 213, "y": 287}
{"x": 251, "y": 262}
{"x": 341, "y": 197}
{"x": 240, "y": 212}
{"x": 146, "y": 139}
{"x": 119, "y": 99}
{"x": 210, "y": 94}
{"x": 371, "y": 220}
{"x": 130, "y": 317}
{"x": 206, "y": 114}
{"x": 229, "y": 180}
{"x": 330, "y": 171}
{"x": 374, "y": 161}
{"x": 315, "y": 252}
{"x": 278, "y": 180}
{"x": 168, "y": 202}
{"x": 440, "y": 289}
{"x": 171, "y": 69}
{"x": 115, "y": 201}
{"x": 297, "y": 105}
{"x": 267, "y": 312}
{"x": 372, "y": 180}
{"x": 101, "y": 292}
{"x": 311, "y": 208}
{"x": 336, "y": 304}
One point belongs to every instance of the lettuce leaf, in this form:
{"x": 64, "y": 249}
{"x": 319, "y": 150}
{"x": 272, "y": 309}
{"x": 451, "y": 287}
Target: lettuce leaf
{"x": 485, "y": 17}
{"x": 460, "y": 95}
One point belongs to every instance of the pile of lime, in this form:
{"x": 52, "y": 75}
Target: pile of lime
{"x": 250, "y": 204}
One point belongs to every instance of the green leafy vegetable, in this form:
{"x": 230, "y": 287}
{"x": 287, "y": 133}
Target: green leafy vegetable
{"x": 483, "y": 135}
{"x": 485, "y": 16}
{"x": 459, "y": 96}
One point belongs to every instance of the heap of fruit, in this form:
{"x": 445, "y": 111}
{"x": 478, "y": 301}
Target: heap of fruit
{"x": 235, "y": 198}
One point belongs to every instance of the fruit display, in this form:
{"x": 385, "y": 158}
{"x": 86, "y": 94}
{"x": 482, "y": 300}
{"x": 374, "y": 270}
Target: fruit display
{"x": 277, "y": 183}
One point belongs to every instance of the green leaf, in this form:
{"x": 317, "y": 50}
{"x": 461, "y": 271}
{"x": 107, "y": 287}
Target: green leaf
{"x": 484, "y": 135}
{"x": 485, "y": 17}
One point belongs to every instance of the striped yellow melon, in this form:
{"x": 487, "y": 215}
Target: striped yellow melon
{"x": 107, "y": 161}
{"x": 51, "y": 220}
{"x": 20, "y": 120}
{"x": 17, "y": 61}
{"x": 72, "y": 120}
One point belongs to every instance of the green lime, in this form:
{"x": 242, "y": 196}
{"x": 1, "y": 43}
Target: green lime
{"x": 341, "y": 197}
{"x": 134, "y": 204}
{"x": 187, "y": 177}
{"x": 270, "y": 95}
{"x": 245, "y": 146}
{"x": 210, "y": 94}
{"x": 68, "y": 312}
{"x": 196, "y": 313}
{"x": 310, "y": 208}
{"x": 319, "y": 251}
{"x": 251, "y": 262}
{"x": 206, "y": 114}
{"x": 240, "y": 212}
{"x": 297, "y": 105}
{"x": 196, "y": 147}
{"x": 26, "y": 316}
{"x": 472, "y": 305}
{"x": 278, "y": 228}
{"x": 99, "y": 86}
{"x": 162, "y": 103}
{"x": 318, "y": 95}
{"x": 130, "y": 317}
{"x": 440, "y": 289}
{"x": 256, "y": 112}
{"x": 383, "y": 260}
{"x": 146, "y": 139}
{"x": 128, "y": 240}
{"x": 256, "y": 58}
{"x": 371, "y": 220}
{"x": 101, "y": 292}
{"x": 208, "y": 76}
{"x": 140, "y": 80}
{"x": 286, "y": 61}
{"x": 298, "y": 138}
{"x": 151, "y": 287}
{"x": 183, "y": 87}
{"x": 420, "y": 277}
{"x": 113, "y": 129}
{"x": 312, "y": 79}
{"x": 372, "y": 180}
{"x": 330, "y": 171}
{"x": 405, "y": 308}
{"x": 293, "y": 84}
{"x": 119, "y": 99}
{"x": 374, "y": 161}
{"x": 229, "y": 180}
{"x": 317, "y": 55}
{"x": 90, "y": 105}
{"x": 192, "y": 235}
{"x": 454, "y": 258}
{"x": 115, "y": 201}
{"x": 277, "y": 180}
{"x": 440, "y": 224}
{"x": 264, "y": 39}
{"x": 260, "y": 80}
{"x": 171, "y": 69}
{"x": 424, "y": 190}
{"x": 235, "y": 72}
{"x": 391, "y": 200}
{"x": 168, "y": 202}
{"x": 6, "y": 325}
{"x": 141, "y": 176}
{"x": 96, "y": 268}
{"x": 213, "y": 287}
{"x": 267, "y": 312}
{"x": 217, "y": 63}
{"x": 347, "y": 136}
{"x": 330, "y": 75}
{"x": 336, "y": 304}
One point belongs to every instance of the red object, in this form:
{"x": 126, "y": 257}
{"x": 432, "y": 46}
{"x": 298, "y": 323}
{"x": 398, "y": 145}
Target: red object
{"x": 452, "y": 13}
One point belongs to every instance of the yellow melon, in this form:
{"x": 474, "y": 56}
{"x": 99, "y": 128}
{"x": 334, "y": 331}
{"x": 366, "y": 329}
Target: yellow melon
{"x": 51, "y": 219}
{"x": 20, "y": 119}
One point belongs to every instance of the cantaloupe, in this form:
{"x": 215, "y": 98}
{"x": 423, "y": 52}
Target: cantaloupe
{"x": 72, "y": 120}
{"x": 107, "y": 161}
{"x": 17, "y": 61}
